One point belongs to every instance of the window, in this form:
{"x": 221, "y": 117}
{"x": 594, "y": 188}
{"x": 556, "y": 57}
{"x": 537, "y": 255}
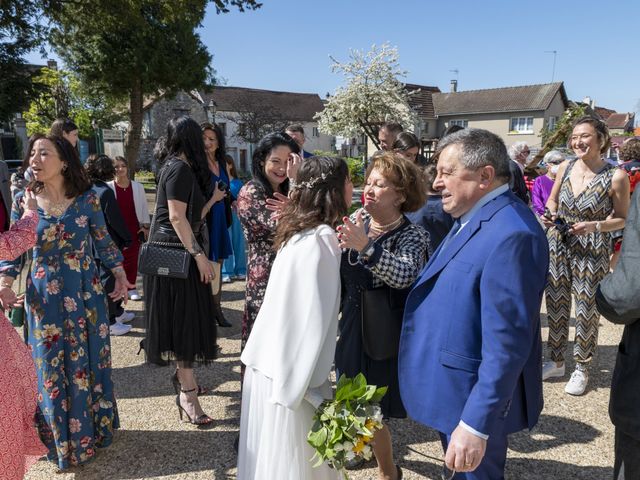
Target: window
{"x": 551, "y": 124}
{"x": 242, "y": 129}
{"x": 460, "y": 123}
{"x": 315, "y": 132}
{"x": 521, "y": 125}
{"x": 243, "y": 160}
{"x": 223, "y": 127}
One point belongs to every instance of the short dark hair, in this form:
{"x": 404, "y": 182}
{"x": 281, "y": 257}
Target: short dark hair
{"x": 76, "y": 181}
{"x": 479, "y": 149}
{"x": 262, "y": 151}
{"x": 184, "y": 136}
{"x": 392, "y": 127}
{"x": 630, "y": 150}
{"x": 100, "y": 167}
{"x": 296, "y": 127}
{"x": 62, "y": 125}
{"x": 601, "y": 130}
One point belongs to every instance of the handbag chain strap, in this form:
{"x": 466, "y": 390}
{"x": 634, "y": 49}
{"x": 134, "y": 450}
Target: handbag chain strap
{"x": 155, "y": 214}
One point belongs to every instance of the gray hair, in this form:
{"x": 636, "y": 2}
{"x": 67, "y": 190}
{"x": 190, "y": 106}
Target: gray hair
{"x": 553, "y": 157}
{"x": 479, "y": 149}
{"x": 516, "y": 149}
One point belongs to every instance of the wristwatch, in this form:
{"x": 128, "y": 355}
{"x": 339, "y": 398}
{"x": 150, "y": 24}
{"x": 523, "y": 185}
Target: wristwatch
{"x": 368, "y": 250}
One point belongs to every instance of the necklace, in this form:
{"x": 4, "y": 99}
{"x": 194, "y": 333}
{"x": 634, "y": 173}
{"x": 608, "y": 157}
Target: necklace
{"x": 374, "y": 227}
{"x": 58, "y": 208}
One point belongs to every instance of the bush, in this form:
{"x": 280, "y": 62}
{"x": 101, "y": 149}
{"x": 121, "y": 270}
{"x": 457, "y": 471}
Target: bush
{"x": 356, "y": 170}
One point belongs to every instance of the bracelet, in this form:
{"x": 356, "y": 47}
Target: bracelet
{"x": 196, "y": 254}
{"x": 6, "y": 285}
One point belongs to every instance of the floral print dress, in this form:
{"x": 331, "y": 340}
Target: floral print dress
{"x": 68, "y": 326}
{"x": 259, "y": 229}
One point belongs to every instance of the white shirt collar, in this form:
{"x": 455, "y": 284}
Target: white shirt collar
{"x": 464, "y": 219}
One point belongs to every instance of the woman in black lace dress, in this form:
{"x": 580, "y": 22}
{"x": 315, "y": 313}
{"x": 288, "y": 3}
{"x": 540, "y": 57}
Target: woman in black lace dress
{"x": 382, "y": 247}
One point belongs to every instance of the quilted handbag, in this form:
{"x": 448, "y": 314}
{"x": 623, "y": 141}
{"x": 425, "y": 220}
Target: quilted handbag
{"x": 164, "y": 258}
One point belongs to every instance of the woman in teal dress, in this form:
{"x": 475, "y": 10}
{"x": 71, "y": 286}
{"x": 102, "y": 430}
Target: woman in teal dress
{"x": 66, "y": 307}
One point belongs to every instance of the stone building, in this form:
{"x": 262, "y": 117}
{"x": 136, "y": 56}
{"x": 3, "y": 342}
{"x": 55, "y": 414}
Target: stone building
{"x": 239, "y": 111}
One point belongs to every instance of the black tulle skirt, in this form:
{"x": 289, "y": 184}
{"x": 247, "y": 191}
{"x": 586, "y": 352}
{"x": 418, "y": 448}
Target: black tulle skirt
{"x": 179, "y": 318}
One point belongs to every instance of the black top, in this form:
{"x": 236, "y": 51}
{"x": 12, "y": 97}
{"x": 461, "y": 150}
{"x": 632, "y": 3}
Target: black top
{"x": 177, "y": 182}
{"x": 517, "y": 184}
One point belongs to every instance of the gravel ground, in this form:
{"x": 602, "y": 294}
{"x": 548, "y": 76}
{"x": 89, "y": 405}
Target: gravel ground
{"x": 574, "y": 438}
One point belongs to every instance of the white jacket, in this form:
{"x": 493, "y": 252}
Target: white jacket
{"x": 139, "y": 201}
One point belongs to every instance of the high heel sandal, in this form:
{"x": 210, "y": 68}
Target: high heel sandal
{"x": 176, "y": 385}
{"x": 203, "y": 419}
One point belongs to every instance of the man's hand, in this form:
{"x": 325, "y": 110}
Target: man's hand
{"x": 465, "y": 451}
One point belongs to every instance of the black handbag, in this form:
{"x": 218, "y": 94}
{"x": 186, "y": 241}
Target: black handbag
{"x": 165, "y": 259}
{"x": 382, "y": 311}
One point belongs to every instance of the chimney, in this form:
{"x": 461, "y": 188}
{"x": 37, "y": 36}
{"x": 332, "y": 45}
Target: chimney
{"x": 52, "y": 64}
{"x": 589, "y": 101}
{"x": 454, "y": 86}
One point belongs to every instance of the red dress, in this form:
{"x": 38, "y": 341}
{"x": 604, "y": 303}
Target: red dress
{"x": 124, "y": 196}
{"x": 20, "y": 445}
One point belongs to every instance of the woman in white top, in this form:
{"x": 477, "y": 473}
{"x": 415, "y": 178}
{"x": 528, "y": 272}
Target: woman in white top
{"x": 289, "y": 354}
{"x": 133, "y": 206}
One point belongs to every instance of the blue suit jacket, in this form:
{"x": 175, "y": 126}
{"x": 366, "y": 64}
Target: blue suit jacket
{"x": 470, "y": 348}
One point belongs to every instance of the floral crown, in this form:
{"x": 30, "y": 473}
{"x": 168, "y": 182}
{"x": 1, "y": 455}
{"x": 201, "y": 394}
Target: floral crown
{"x": 312, "y": 182}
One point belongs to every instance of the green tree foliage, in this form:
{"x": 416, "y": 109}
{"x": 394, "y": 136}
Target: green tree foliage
{"x": 61, "y": 94}
{"x": 373, "y": 95}
{"x": 559, "y": 135}
{"x": 131, "y": 49}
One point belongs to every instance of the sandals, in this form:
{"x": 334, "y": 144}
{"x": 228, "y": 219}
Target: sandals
{"x": 200, "y": 420}
{"x": 176, "y": 385}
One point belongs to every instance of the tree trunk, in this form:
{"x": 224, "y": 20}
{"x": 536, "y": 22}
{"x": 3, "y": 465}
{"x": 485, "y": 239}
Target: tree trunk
{"x": 132, "y": 139}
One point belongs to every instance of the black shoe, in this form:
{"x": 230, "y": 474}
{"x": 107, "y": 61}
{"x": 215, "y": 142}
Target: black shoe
{"x": 223, "y": 322}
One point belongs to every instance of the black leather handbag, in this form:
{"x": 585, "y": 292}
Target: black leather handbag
{"x": 382, "y": 311}
{"x": 165, "y": 259}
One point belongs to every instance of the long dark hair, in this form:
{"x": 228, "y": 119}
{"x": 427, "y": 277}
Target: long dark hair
{"x": 315, "y": 200}
{"x": 75, "y": 178}
{"x": 221, "y": 152}
{"x": 184, "y": 136}
{"x": 262, "y": 151}
{"x": 62, "y": 125}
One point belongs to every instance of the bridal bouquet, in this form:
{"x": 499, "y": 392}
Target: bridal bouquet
{"x": 344, "y": 427}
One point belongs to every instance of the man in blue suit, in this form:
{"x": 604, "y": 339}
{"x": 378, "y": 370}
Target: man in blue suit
{"x": 470, "y": 352}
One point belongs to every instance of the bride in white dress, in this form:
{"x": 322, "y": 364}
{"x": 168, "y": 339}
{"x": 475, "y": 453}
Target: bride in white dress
{"x": 291, "y": 347}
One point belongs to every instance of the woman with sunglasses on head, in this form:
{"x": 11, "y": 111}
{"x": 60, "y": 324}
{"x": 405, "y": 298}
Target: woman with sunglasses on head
{"x": 133, "y": 206}
{"x": 65, "y": 306}
{"x": 591, "y": 197}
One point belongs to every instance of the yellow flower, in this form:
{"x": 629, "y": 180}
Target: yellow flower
{"x": 359, "y": 446}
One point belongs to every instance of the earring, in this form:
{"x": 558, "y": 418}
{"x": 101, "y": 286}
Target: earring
{"x": 64, "y": 167}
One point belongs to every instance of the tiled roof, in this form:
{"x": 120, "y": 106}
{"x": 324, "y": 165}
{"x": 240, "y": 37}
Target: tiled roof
{"x": 494, "y": 100}
{"x": 292, "y": 106}
{"x": 604, "y": 112}
{"x": 421, "y": 100}
{"x": 617, "y": 120}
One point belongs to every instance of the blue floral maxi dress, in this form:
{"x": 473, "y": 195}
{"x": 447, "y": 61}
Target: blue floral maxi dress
{"x": 69, "y": 331}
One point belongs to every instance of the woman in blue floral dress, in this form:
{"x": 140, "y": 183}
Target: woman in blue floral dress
{"x": 66, "y": 306}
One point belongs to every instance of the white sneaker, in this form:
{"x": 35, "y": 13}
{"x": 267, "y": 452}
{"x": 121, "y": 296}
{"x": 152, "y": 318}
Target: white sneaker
{"x": 226, "y": 279}
{"x": 134, "y": 295}
{"x": 119, "y": 329}
{"x": 126, "y": 317}
{"x": 577, "y": 384}
{"x": 550, "y": 370}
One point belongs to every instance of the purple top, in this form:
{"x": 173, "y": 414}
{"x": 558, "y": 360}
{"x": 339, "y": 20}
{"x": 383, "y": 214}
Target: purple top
{"x": 540, "y": 193}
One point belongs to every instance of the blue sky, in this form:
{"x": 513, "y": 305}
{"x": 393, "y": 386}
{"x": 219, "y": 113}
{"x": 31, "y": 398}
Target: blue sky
{"x": 285, "y": 45}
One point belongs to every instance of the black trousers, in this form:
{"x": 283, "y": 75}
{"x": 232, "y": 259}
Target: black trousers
{"x": 108, "y": 283}
{"x": 627, "y": 462}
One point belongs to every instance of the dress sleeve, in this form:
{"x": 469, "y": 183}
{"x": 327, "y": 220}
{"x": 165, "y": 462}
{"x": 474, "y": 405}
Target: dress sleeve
{"x": 400, "y": 268}
{"x": 254, "y": 217}
{"x": 537, "y": 197}
{"x": 107, "y": 249}
{"x": 20, "y": 238}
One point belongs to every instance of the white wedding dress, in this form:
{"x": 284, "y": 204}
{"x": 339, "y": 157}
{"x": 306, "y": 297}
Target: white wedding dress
{"x": 288, "y": 358}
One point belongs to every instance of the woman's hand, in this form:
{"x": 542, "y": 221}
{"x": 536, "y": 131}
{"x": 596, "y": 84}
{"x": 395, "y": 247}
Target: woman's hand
{"x": 122, "y": 285}
{"x": 218, "y": 193}
{"x": 293, "y": 165}
{"x": 29, "y": 200}
{"x": 8, "y": 298}
{"x": 583, "y": 228}
{"x": 145, "y": 232}
{"x": 353, "y": 235}
{"x": 205, "y": 267}
{"x": 548, "y": 218}
{"x": 277, "y": 204}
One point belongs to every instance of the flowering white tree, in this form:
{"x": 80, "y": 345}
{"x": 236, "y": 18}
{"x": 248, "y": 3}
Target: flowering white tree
{"x": 373, "y": 95}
